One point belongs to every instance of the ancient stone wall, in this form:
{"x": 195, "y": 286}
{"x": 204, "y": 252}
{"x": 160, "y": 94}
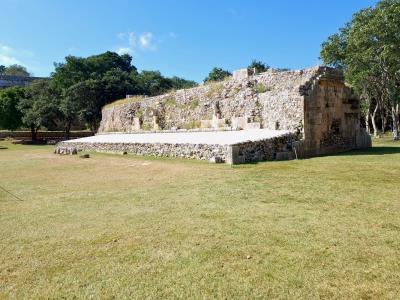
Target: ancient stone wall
{"x": 331, "y": 116}
{"x": 269, "y": 149}
{"x": 271, "y": 100}
{"x": 314, "y": 104}
{"x": 10, "y": 80}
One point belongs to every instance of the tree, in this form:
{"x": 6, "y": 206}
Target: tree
{"x": 151, "y": 83}
{"x": 86, "y": 84}
{"x": 39, "y": 107}
{"x": 10, "y": 116}
{"x": 217, "y": 74}
{"x": 367, "y": 50}
{"x": 77, "y": 69}
{"x": 85, "y": 99}
{"x": 258, "y": 66}
{"x": 15, "y": 70}
{"x": 82, "y": 86}
{"x": 2, "y": 69}
{"x": 180, "y": 83}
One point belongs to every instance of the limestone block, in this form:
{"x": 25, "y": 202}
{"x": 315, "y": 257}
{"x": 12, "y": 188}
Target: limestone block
{"x": 216, "y": 160}
{"x": 238, "y": 122}
{"x": 253, "y": 125}
{"x": 136, "y": 124}
{"x": 205, "y": 124}
{"x": 243, "y": 74}
{"x": 218, "y": 123}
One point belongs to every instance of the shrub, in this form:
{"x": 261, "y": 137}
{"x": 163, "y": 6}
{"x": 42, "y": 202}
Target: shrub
{"x": 261, "y": 88}
{"x": 192, "y": 124}
{"x": 194, "y": 104}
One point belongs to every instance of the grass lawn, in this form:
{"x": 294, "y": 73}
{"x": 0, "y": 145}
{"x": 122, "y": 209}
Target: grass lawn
{"x": 132, "y": 227}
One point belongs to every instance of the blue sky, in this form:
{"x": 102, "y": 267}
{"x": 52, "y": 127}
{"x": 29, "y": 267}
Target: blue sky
{"x": 186, "y": 38}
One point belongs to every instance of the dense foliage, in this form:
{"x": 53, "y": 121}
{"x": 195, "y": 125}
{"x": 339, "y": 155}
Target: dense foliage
{"x": 78, "y": 89}
{"x": 10, "y": 116}
{"x": 15, "y": 70}
{"x": 259, "y": 66}
{"x": 217, "y": 74}
{"x": 368, "y": 49}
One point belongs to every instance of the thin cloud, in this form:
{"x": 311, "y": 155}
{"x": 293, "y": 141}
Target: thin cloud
{"x": 132, "y": 42}
{"x": 7, "y": 60}
{"x": 146, "y": 41}
{"x": 125, "y": 50}
{"x": 7, "y": 56}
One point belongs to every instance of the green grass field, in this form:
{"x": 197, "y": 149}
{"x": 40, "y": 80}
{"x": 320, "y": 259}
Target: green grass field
{"x": 130, "y": 227}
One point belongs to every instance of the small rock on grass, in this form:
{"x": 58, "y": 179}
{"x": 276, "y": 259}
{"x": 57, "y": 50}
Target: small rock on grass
{"x": 84, "y": 156}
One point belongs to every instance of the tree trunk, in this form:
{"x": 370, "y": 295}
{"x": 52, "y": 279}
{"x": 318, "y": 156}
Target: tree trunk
{"x": 383, "y": 117}
{"x": 33, "y": 132}
{"x": 67, "y": 130}
{"x": 367, "y": 123}
{"x": 395, "y": 118}
{"x": 374, "y": 122}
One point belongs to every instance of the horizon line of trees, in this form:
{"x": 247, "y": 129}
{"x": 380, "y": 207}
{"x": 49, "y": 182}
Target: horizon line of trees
{"x": 77, "y": 90}
{"x": 14, "y": 70}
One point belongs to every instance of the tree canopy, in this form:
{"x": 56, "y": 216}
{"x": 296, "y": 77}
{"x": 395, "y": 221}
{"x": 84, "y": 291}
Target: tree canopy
{"x": 15, "y": 70}
{"x": 10, "y": 116}
{"x": 367, "y": 49}
{"x": 217, "y": 74}
{"x": 259, "y": 66}
{"x": 39, "y": 107}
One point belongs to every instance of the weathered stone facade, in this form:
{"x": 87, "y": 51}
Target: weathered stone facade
{"x": 10, "y": 80}
{"x": 321, "y": 113}
{"x": 314, "y": 103}
{"x": 269, "y": 149}
{"x": 271, "y": 99}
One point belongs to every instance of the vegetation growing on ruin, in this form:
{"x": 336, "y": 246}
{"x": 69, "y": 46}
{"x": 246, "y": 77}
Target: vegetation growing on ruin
{"x": 215, "y": 89}
{"x": 259, "y": 66}
{"x": 146, "y": 127}
{"x": 134, "y": 227}
{"x": 192, "y": 124}
{"x": 171, "y": 101}
{"x": 217, "y": 74}
{"x": 193, "y": 104}
{"x": 140, "y": 113}
{"x": 260, "y": 88}
{"x": 125, "y": 101}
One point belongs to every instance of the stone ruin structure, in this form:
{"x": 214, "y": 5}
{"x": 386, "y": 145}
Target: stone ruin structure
{"x": 7, "y": 81}
{"x": 312, "y": 110}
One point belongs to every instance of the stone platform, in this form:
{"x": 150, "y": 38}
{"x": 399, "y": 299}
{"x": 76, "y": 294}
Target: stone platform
{"x": 232, "y": 147}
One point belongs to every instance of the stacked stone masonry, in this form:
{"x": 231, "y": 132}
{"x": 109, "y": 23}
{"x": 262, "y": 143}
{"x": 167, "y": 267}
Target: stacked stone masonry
{"x": 315, "y": 105}
{"x": 269, "y": 149}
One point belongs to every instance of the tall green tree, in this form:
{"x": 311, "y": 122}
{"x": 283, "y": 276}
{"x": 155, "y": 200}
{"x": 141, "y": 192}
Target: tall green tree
{"x": 86, "y": 84}
{"x": 367, "y": 49}
{"x": 85, "y": 99}
{"x": 217, "y": 74}
{"x": 259, "y": 66}
{"x": 40, "y": 106}
{"x": 180, "y": 83}
{"x": 151, "y": 83}
{"x": 10, "y": 116}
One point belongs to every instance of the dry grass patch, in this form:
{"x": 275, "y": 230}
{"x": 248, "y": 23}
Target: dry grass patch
{"x": 135, "y": 227}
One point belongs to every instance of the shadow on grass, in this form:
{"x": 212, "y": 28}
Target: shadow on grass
{"x": 377, "y": 150}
